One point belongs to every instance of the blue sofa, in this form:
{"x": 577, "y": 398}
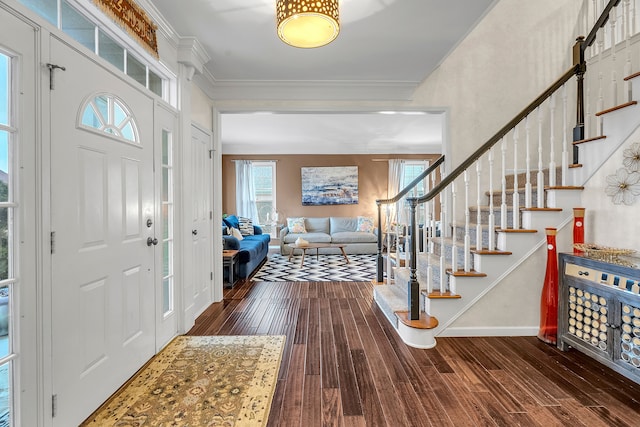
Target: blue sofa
{"x": 253, "y": 249}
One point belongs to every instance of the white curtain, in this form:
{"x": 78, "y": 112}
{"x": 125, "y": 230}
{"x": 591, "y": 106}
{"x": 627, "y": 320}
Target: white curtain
{"x": 396, "y": 173}
{"x": 245, "y": 191}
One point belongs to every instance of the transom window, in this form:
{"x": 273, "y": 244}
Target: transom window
{"x": 108, "y": 114}
{"x": 84, "y": 30}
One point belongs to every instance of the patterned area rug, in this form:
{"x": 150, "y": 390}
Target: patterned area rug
{"x": 200, "y": 381}
{"x": 327, "y": 268}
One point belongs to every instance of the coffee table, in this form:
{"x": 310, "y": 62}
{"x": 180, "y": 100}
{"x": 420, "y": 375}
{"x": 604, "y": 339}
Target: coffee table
{"x": 316, "y": 246}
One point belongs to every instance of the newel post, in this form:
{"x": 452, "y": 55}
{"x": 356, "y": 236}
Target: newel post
{"x": 414, "y": 286}
{"x": 580, "y": 67}
{"x": 379, "y": 262}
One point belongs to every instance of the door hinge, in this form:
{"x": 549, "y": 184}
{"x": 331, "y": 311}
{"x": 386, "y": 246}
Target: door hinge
{"x": 54, "y": 405}
{"x": 212, "y": 275}
{"x": 211, "y": 154}
{"x": 210, "y": 214}
{"x": 53, "y": 242}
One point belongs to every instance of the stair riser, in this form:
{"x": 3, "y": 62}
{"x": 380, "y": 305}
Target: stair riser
{"x": 497, "y": 214}
{"x": 459, "y": 231}
{"x": 437, "y": 251}
{"x": 522, "y": 178}
{"x": 497, "y": 198}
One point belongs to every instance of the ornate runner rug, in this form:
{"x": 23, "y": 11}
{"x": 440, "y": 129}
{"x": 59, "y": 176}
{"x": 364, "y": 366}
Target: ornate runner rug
{"x": 199, "y": 381}
{"x": 327, "y": 268}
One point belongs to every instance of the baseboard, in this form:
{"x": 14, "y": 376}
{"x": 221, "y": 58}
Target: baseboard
{"x": 491, "y": 331}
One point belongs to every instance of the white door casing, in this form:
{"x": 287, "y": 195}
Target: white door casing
{"x": 201, "y": 214}
{"x": 102, "y": 194}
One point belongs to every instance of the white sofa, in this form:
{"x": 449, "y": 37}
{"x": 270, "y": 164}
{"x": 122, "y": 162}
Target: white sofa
{"x": 333, "y": 229}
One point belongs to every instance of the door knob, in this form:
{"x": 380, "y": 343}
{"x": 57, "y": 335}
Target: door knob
{"x": 152, "y": 241}
{"x": 194, "y": 232}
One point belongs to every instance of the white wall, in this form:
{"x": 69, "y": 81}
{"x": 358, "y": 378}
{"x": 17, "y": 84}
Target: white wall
{"x": 608, "y": 224}
{"x": 514, "y": 53}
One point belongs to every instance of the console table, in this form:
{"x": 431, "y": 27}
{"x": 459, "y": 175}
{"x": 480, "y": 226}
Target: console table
{"x": 599, "y": 311}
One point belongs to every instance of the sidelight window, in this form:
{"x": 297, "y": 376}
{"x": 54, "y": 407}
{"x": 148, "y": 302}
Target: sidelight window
{"x": 8, "y": 247}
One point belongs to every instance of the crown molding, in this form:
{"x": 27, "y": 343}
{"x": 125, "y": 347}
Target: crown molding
{"x": 192, "y": 54}
{"x": 165, "y": 29}
{"x": 346, "y": 90}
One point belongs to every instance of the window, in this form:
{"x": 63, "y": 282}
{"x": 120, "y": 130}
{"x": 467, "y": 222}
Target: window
{"x": 264, "y": 181}
{"x": 8, "y": 246}
{"x": 108, "y": 114}
{"x": 82, "y": 29}
{"x": 411, "y": 170}
{"x": 167, "y": 224}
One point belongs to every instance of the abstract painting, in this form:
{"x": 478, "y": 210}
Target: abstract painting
{"x": 335, "y": 185}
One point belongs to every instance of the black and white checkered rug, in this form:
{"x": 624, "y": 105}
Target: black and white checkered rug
{"x": 327, "y": 268}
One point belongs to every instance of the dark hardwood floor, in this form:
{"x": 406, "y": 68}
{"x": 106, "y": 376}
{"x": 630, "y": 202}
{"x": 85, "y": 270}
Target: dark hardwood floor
{"x": 344, "y": 365}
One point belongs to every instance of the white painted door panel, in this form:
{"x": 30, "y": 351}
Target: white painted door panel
{"x": 202, "y": 182}
{"x": 102, "y": 194}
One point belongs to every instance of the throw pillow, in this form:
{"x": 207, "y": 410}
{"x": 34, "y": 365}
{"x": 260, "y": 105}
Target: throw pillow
{"x": 296, "y": 225}
{"x": 245, "y": 226}
{"x": 236, "y": 233}
{"x": 365, "y": 224}
{"x": 232, "y": 221}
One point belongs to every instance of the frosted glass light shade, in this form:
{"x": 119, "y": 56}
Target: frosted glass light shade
{"x": 307, "y": 23}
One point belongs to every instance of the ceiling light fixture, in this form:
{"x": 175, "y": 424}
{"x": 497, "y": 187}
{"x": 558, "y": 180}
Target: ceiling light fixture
{"x": 307, "y": 23}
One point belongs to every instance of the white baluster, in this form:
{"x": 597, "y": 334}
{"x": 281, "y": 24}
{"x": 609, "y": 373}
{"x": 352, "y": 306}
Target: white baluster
{"x": 454, "y": 237}
{"x": 479, "y": 204}
{"x": 594, "y": 9}
{"x": 503, "y": 206}
{"x": 516, "y": 194}
{"x": 467, "y": 239}
{"x": 600, "y": 40}
{"x": 627, "y": 41}
{"x": 552, "y": 140}
{"x": 565, "y": 142}
{"x": 540, "y": 175}
{"x": 634, "y": 15}
{"x": 429, "y": 249}
{"x": 527, "y": 186}
{"x": 614, "y": 77}
{"x": 492, "y": 218}
{"x": 443, "y": 258}
{"x": 389, "y": 234}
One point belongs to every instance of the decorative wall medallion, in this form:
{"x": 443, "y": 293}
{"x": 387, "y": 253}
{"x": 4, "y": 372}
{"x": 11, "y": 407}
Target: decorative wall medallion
{"x": 623, "y": 187}
{"x": 632, "y": 158}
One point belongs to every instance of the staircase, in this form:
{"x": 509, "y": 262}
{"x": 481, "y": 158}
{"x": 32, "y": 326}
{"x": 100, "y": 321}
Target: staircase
{"x": 457, "y": 271}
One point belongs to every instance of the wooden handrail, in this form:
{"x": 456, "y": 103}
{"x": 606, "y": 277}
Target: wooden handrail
{"x": 604, "y": 17}
{"x": 413, "y": 183}
{"x": 494, "y": 139}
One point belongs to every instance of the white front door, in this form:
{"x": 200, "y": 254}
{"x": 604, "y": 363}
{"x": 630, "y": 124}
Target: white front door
{"x": 102, "y": 215}
{"x": 202, "y": 183}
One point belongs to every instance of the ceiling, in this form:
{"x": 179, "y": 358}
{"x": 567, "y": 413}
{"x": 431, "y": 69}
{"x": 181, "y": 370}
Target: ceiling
{"x": 385, "y": 49}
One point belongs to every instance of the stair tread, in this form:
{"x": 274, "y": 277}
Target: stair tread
{"x": 516, "y": 230}
{"x": 616, "y": 108}
{"x": 564, "y": 187}
{"x": 488, "y": 252}
{"x": 595, "y": 138}
{"x": 541, "y": 209}
{"x": 425, "y": 321}
{"x": 462, "y": 273}
{"x": 443, "y": 295}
